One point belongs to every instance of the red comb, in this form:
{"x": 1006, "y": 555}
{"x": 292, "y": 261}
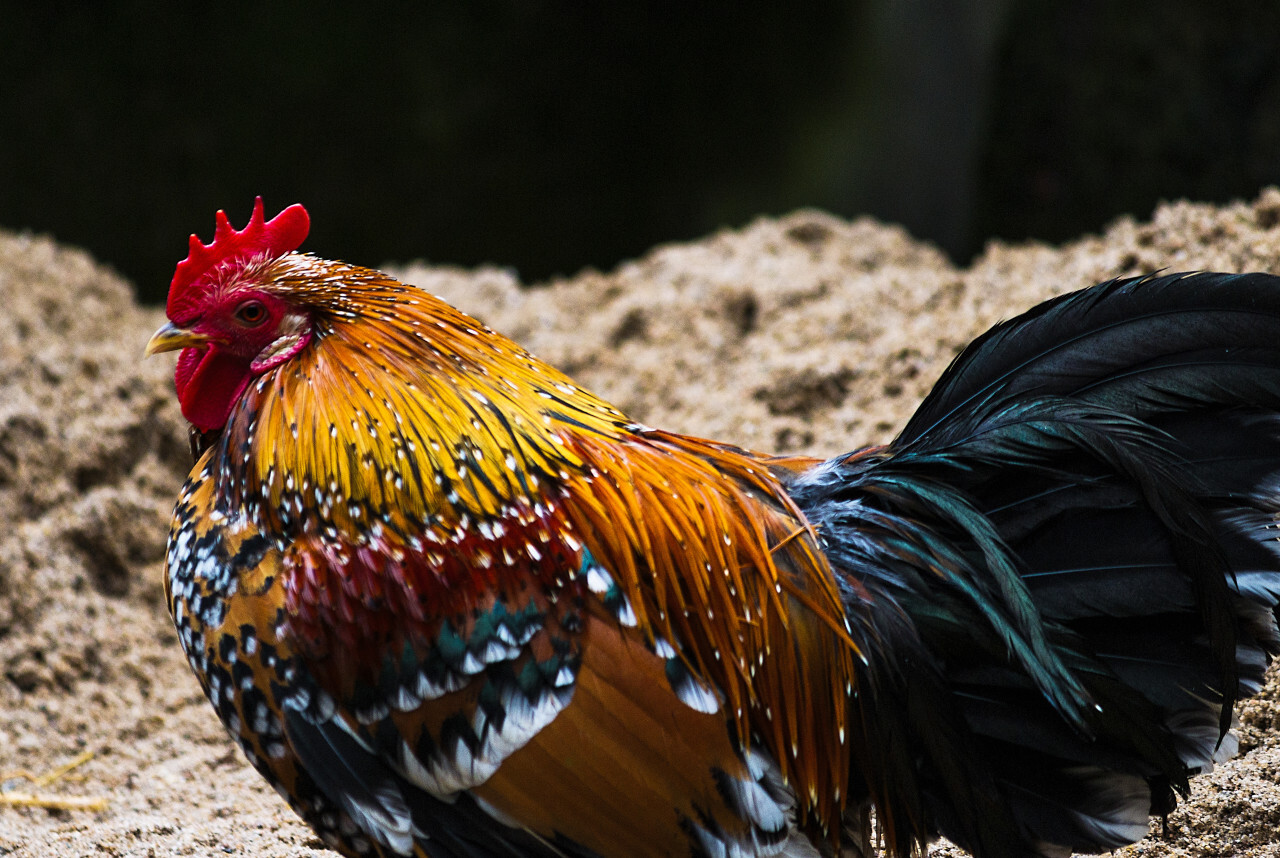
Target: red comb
{"x": 276, "y": 237}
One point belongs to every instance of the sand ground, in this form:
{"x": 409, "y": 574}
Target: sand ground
{"x": 801, "y": 333}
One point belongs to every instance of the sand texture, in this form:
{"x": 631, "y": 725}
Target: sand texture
{"x": 802, "y": 333}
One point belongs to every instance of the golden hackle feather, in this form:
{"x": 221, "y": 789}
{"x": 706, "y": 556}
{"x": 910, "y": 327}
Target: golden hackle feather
{"x": 405, "y": 427}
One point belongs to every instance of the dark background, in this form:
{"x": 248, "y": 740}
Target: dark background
{"x": 552, "y": 136}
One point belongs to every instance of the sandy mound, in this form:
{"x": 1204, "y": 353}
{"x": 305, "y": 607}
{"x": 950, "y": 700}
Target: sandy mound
{"x": 805, "y": 333}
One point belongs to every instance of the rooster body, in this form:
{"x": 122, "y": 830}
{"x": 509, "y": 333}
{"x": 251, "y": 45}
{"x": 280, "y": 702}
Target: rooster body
{"x": 451, "y": 604}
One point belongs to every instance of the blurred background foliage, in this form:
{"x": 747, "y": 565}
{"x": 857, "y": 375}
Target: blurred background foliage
{"x": 552, "y": 136}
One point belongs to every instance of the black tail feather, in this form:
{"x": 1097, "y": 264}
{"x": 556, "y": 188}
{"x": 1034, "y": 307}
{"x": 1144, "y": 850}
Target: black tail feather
{"x": 1072, "y": 548}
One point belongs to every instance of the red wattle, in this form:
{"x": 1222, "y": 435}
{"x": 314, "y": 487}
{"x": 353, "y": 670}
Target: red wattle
{"x": 188, "y": 360}
{"x": 209, "y": 381}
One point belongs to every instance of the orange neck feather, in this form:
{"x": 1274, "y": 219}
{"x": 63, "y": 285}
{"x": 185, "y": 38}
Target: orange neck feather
{"x": 403, "y": 407}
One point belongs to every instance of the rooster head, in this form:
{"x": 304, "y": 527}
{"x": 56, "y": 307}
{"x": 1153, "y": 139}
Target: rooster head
{"x": 225, "y": 316}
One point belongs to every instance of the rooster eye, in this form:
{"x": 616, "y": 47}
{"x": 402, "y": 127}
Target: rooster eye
{"x": 251, "y": 313}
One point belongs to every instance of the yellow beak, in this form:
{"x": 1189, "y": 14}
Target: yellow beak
{"x": 171, "y": 338}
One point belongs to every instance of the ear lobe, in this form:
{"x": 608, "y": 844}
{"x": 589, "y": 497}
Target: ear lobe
{"x": 293, "y": 334}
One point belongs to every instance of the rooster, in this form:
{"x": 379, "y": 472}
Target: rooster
{"x": 451, "y": 604}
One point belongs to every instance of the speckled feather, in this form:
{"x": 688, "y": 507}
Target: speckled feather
{"x": 414, "y": 472}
